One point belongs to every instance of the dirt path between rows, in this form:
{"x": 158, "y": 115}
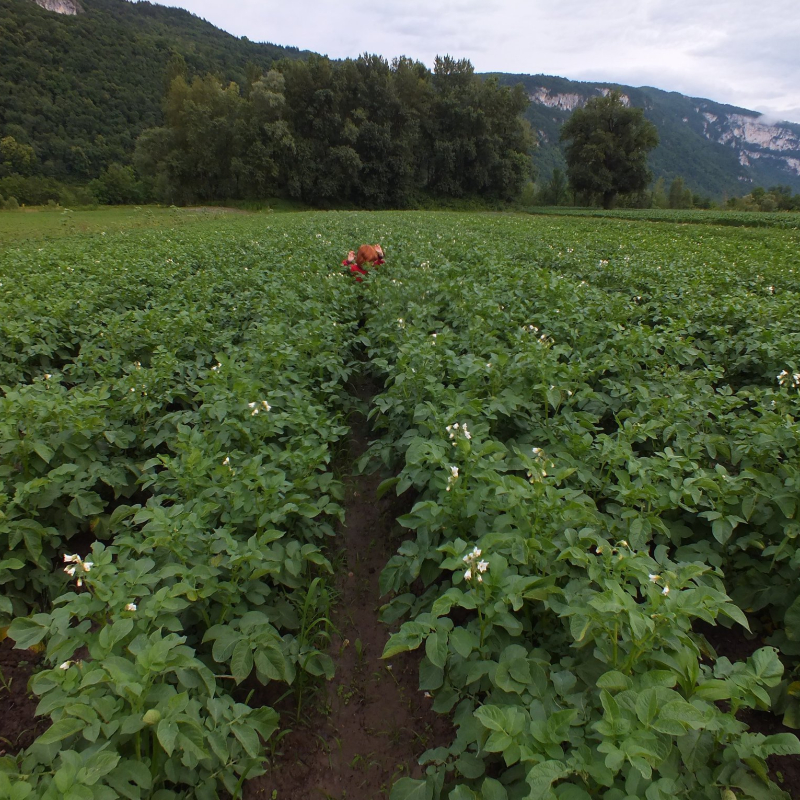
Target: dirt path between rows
{"x": 369, "y": 725}
{"x": 18, "y": 725}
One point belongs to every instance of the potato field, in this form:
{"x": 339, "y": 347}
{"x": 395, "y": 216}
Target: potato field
{"x": 590, "y": 425}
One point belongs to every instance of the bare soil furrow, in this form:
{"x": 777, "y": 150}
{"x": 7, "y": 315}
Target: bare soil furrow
{"x": 369, "y": 725}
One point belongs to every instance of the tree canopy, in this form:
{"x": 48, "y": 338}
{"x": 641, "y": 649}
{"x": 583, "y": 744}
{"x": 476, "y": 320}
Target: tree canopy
{"x": 606, "y": 149}
{"x": 361, "y": 132}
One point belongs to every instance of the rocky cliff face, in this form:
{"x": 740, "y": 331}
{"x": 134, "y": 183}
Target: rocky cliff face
{"x": 567, "y": 101}
{"x": 70, "y": 7}
{"x": 753, "y": 138}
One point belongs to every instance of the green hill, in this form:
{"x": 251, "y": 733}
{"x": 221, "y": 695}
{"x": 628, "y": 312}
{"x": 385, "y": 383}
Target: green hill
{"x": 81, "y": 88}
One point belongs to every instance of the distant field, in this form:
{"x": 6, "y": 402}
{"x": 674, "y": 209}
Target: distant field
{"x": 48, "y": 224}
{"x": 739, "y": 219}
{"x": 44, "y": 223}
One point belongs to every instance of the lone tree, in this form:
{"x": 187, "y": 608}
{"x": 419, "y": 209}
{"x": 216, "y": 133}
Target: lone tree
{"x": 607, "y": 147}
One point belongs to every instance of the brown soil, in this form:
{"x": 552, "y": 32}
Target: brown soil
{"x": 18, "y": 725}
{"x": 369, "y": 725}
{"x": 736, "y": 645}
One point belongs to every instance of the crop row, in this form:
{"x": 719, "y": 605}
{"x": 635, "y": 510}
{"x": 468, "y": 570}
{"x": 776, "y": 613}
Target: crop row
{"x": 170, "y": 411}
{"x": 603, "y": 453}
{"x": 738, "y": 219}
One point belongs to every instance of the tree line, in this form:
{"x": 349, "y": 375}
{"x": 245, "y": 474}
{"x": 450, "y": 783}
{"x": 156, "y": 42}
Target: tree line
{"x": 557, "y": 191}
{"x": 362, "y": 132}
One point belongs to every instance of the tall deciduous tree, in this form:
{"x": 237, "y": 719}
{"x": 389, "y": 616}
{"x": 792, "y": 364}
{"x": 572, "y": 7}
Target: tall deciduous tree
{"x": 16, "y": 157}
{"x": 607, "y": 147}
{"x": 680, "y": 196}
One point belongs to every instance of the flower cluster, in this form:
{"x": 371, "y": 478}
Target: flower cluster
{"x": 656, "y": 579}
{"x": 216, "y": 367}
{"x": 454, "y": 429}
{"x": 530, "y": 329}
{"x": 453, "y": 477}
{"x": 255, "y": 408}
{"x": 793, "y": 379}
{"x": 539, "y": 469}
{"x": 77, "y": 564}
{"x": 622, "y": 544}
{"x": 475, "y": 570}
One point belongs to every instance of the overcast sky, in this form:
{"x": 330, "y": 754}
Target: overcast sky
{"x": 731, "y": 51}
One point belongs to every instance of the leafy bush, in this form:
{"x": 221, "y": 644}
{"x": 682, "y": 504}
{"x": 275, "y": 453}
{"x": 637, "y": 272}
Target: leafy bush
{"x": 76, "y": 196}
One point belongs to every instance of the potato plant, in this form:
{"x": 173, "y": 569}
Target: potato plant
{"x": 601, "y": 437}
{"x": 166, "y": 443}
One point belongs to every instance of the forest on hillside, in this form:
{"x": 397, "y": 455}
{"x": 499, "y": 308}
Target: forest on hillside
{"x": 218, "y": 117}
{"x": 90, "y": 112}
{"x": 80, "y": 89}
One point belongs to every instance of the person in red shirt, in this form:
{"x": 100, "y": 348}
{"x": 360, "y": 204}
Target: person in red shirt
{"x": 367, "y": 254}
{"x": 355, "y": 269}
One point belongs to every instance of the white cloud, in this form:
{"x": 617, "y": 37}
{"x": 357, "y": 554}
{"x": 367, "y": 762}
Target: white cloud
{"x": 731, "y": 51}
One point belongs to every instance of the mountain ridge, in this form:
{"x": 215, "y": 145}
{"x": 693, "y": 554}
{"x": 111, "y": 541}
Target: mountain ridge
{"x": 81, "y": 87}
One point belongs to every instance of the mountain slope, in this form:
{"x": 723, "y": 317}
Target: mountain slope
{"x": 719, "y": 149}
{"x": 81, "y": 87}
